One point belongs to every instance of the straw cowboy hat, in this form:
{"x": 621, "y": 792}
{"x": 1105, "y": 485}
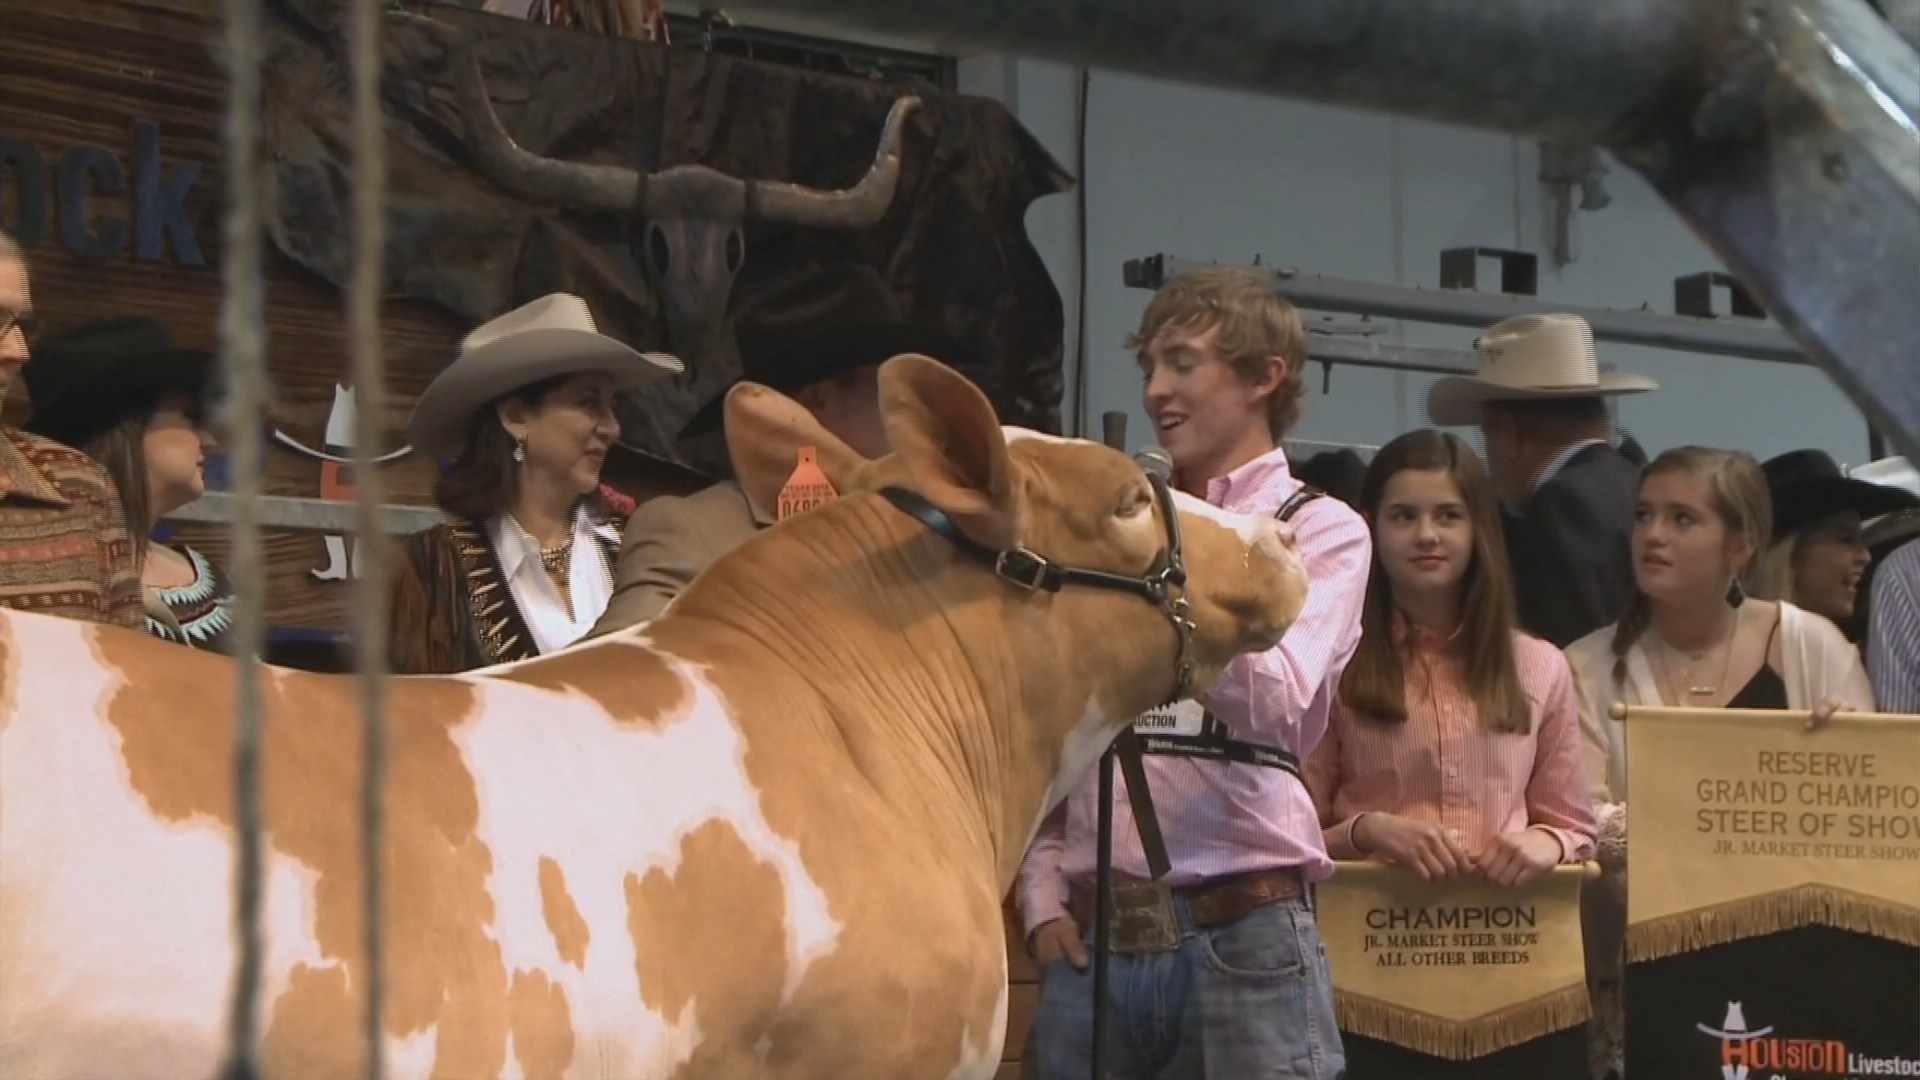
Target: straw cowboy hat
{"x": 1529, "y": 358}
{"x": 551, "y": 336}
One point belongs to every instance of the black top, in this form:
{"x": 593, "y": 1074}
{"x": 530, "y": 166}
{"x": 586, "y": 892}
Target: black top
{"x": 1766, "y": 690}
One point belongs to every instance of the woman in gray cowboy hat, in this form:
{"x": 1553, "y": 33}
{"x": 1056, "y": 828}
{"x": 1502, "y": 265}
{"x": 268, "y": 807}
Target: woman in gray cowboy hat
{"x": 121, "y": 391}
{"x": 522, "y": 422}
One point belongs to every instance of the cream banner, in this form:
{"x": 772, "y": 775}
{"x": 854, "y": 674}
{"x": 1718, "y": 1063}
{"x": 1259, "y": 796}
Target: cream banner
{"x": 1743, "y": 823}
{"x": 1458, "y": 970}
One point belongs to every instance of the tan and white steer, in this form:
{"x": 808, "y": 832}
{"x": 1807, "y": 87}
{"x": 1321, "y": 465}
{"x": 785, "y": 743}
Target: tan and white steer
{"x": 766, "y": 834}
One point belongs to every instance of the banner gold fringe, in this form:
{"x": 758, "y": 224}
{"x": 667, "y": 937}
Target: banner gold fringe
{"x": 1458, "y": 1040}
{"x": 1757, "y": 916}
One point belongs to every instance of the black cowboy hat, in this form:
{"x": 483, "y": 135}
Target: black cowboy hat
{"x": 84, "y": 381}
{"x": 820, "y": 324}
{"x": 1806, "y": 486}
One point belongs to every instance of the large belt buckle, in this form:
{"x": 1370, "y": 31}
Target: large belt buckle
{"x": 1143, "y": 919}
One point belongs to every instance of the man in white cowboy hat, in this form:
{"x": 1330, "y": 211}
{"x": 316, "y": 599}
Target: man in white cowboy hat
{"x": 1540, "y": 401}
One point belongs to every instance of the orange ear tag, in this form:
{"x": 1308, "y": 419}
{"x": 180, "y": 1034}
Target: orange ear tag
{"x": 806, "y": 489}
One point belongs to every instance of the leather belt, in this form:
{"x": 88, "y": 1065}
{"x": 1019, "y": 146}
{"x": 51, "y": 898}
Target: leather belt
{"x": 1144, "y": 919}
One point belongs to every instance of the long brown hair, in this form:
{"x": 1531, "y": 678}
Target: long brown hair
{"x": 1737, "y": 489}
{"x": 483, "y": 481}
{"x": 121, "y": 451}
{"x": 1375, "y": 680}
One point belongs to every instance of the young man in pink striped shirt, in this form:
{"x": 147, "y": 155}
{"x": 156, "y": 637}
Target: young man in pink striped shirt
{"x": 1217, "y": 970}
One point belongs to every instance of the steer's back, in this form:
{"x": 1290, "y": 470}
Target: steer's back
{"x": 582, "y": 876}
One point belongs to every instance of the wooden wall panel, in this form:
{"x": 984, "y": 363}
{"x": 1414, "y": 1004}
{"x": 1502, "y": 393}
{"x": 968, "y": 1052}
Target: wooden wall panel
{"x": 82, "y": 73}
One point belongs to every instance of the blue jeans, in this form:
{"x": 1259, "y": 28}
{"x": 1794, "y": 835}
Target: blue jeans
{"x": 1252, "y": 1000}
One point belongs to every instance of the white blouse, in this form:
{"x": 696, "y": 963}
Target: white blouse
{"x": 589, "y": 579}
{"x": 1819, "y": 662}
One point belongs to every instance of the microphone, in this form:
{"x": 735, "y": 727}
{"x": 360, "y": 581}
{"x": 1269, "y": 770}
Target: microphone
{"x": 1113, "y": 428}
{"x": 1156, "y": 461}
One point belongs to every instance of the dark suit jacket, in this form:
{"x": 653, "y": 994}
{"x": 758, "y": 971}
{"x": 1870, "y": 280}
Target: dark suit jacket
{"x": 1571, "y": 548}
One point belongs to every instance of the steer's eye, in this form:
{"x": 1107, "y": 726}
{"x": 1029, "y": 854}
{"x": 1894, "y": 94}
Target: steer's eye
{"x": 1134, "y": 502}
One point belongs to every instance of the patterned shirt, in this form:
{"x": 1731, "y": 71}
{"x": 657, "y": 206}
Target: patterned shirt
{"x": 63, "y": 542}
{"x": 1441, "y": 766}
{"x": 1219, "y": 818}
{"x": 1893, "y": 636}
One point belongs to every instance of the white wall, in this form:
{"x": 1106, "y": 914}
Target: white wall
{"x": 1222, "y": 176}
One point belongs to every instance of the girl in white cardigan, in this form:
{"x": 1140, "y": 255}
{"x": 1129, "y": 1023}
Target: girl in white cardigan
{"x": 1691, "y": 638}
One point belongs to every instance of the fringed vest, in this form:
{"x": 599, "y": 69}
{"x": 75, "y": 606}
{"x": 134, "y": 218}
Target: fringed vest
{"x": 452, "y": 609}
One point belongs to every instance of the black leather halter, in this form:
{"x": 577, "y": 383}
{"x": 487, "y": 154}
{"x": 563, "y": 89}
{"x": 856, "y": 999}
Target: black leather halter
{"x": 1164, "y": 587}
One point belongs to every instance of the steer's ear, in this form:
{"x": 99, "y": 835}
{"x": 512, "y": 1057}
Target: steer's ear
{"x": 944, "y": 431}
{"x": 765, "y": 433}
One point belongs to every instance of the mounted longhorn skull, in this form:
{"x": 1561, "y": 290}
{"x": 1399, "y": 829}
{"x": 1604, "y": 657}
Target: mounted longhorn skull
{"x": 692, "y": 242}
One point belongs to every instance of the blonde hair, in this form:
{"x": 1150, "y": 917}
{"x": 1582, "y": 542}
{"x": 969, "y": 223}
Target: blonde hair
{"x": 1772, "y": 575}
{"x": 1737, "y": 494}
{"x": 1254, "y": 325}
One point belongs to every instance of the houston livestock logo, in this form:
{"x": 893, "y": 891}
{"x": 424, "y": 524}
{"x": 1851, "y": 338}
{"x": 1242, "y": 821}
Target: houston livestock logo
{"x": 336, "y": 478}
{"x": 1759, "y": 1054}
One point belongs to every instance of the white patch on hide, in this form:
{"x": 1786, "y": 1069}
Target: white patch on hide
{"x": 116, "y": 926}
{"x": 1018, "y": 434}
{"x": 980, "y": 1051}
{"x": 560, "y": 779}
{"x": 1251, "y": 528}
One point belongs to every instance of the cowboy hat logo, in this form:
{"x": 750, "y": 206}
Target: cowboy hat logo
{"x": 335, "y": 481}
{"x": 1734, "y": 1029}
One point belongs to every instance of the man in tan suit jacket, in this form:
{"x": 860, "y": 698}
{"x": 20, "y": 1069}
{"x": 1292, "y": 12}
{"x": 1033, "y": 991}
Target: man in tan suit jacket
{"x": 820, "y": 339}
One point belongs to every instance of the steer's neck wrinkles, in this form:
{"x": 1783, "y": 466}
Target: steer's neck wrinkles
{"x": 950, "y": 690}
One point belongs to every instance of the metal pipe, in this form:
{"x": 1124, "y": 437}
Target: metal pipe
{"x": 1802, "y": 171}
{"x": 1904, "y": 17}
{"x": 1388, "y": 355}
{"x": 306, "y": 515}
{"x": 1574, "y": 70}
{"x": 1461, "y": 307}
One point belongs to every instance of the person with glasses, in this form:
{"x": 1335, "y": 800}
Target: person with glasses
{"x": 64, "y": 548}
{"x": 138, "y": 403}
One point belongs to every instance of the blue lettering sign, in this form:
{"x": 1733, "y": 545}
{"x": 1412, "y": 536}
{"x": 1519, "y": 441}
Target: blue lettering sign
{"x": 83, "y": 178}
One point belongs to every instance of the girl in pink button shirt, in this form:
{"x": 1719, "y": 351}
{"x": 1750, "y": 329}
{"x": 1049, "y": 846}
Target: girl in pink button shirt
{"x": 1454, "y": 744}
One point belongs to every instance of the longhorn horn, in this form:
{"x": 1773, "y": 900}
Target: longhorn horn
{"x": 574, "y": 185}
{"x": 850, "y": 208}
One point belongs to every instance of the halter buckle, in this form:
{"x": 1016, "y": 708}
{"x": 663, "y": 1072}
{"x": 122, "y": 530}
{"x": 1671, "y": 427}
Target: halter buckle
{"x": 1023, "y": 568}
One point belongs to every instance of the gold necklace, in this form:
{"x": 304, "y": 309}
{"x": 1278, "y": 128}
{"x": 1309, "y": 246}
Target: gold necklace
{"x": 556, "y": 559}
{"x": 1726, "y": 664}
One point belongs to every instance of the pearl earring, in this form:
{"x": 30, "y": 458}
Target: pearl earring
{"x": 520, "y": 451}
